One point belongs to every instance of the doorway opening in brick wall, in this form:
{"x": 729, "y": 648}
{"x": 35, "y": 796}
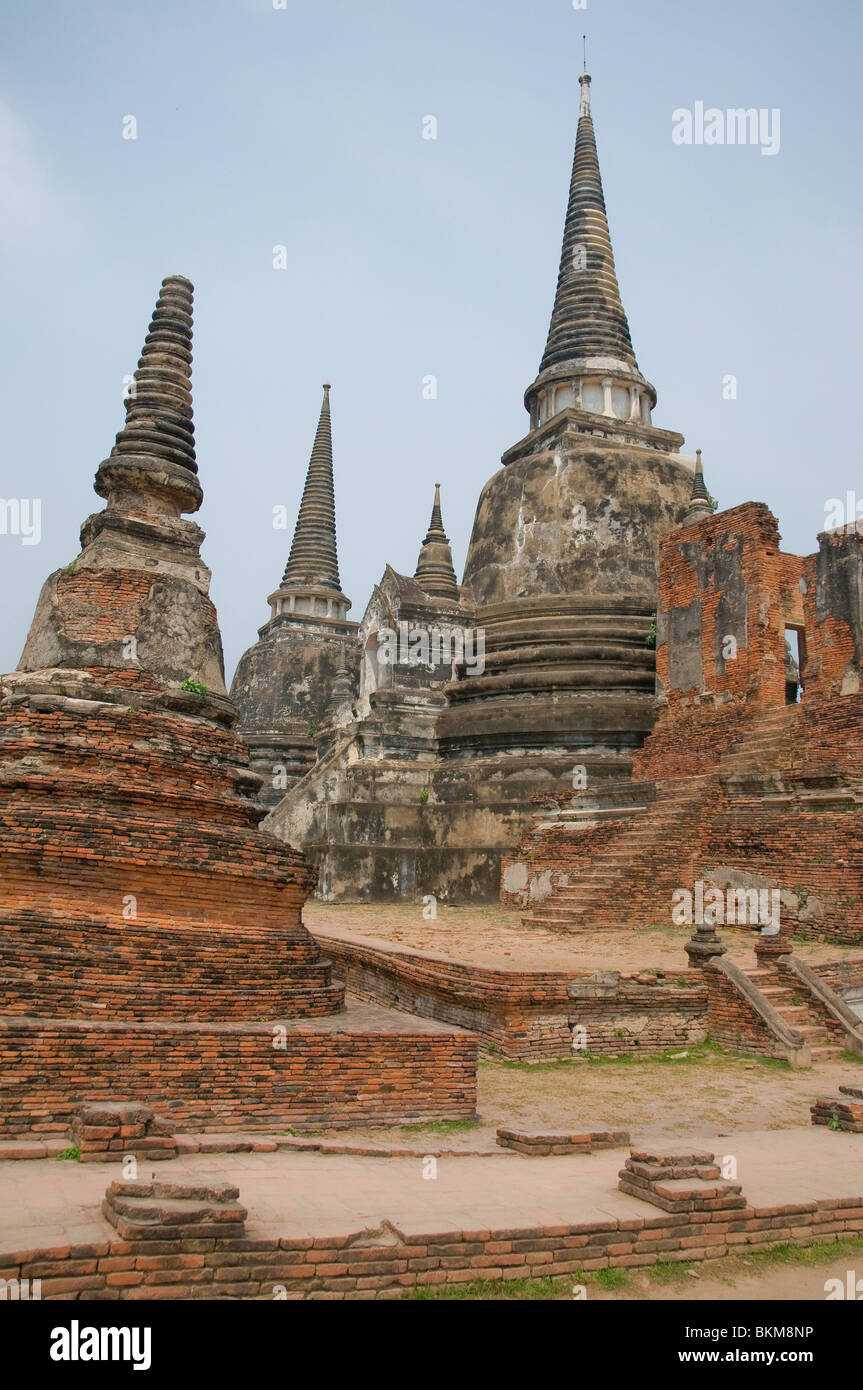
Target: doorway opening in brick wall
{"x": 795, "y": 661}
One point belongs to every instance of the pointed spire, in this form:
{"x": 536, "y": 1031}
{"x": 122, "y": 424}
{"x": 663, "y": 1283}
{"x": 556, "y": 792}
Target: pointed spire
{"x": 588, "y": 319}
{"x": 699, "y": 491}
{"x": 313, "y": 560}
{"x": 700, "y": 500}
{"x": 434, "y": 571}
{"x": 159, "y": 400}
{"x": 589, "y": 363}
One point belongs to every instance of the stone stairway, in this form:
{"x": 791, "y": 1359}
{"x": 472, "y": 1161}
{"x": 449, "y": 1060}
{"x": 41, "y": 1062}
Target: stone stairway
{"x": 641, "y": 866}
{"x": 799, "y": 1015}
{"x": 767, "y": 747}
{"x": 633, "y": 878}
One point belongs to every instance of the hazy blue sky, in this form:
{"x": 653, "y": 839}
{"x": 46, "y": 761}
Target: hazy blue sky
{"x": 408, "y": 257}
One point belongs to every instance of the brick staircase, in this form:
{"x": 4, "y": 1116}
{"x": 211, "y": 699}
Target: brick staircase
{"x": 768, "y": 746}
{"x": 635, "y": 871}
{"x": 822, "y": 1046}
{"x": 634, "y": 876}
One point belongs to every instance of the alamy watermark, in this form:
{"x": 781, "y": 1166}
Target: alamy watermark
{"x": 734, "y": 126}
{"x": 437, "y": 646}
{"x": 21, "y": 517}
{"x": 843, "y": 511}
{"x": 712, "y": 907}
{"x": 20, "y": 1290}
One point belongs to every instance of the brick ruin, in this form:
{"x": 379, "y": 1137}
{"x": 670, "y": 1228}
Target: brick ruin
{"x": 157, "y": 982}
{"x": 742, "y": 790}
{"x": 736, "y": 786}
{"x": 151, "y": 938}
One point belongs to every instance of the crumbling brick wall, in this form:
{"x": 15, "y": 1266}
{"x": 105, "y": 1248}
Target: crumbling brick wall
{"x": 833, "y": 605}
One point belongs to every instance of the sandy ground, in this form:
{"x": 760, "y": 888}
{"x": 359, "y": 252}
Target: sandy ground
{"x": 702, "y": 1091}
{"x": 737, "y": 1279}
{"x": 492, "y": 936}
{"x": 729, "y": 1280}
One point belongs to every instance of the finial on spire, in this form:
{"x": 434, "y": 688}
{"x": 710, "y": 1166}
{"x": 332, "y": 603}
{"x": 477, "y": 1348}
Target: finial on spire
{"x": 159, "y": 407}
{"x": 584, "y": 83}
{"x": 698, "y": 489}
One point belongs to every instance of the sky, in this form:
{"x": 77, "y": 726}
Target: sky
{"x": 406, "y": 257}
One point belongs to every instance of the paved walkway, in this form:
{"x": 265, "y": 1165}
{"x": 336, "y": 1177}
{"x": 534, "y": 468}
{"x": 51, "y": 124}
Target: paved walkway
{"x": 46, "y": 1203}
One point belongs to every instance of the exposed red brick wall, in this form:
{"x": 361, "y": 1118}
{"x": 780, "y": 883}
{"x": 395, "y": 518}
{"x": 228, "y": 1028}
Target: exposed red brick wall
{"x": 346, "y": 1267}
{"x": 228, "y": 1077}
{"x": 691, "y": 743}
{"x": 732, "y": 553}
{"x": 102, "y": 605}
{"x": 175, "y": 1003}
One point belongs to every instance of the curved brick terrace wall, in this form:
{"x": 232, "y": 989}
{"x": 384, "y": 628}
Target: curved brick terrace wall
{"x": 530, "y": 1015}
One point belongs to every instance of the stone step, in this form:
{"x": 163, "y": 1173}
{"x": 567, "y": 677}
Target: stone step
{"x": 598, "y": 813}
{"x": 795, "y": 1014}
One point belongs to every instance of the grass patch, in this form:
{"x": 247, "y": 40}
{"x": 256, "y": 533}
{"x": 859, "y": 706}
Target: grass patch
{"x": 819, "y": 1252}
{"x": 440, "y": 1127}
{"x": 668, "y": 1272}
{"x": 483, "y": 1290}
{"x": 73, "y": 1154}
{"x": 664, "y": 1272}
{"x": 695, "y": 1052}
{"x": 534, "y": 1068}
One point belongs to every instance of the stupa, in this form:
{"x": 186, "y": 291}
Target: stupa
{"x": 284, "y": 684}
{"x": 151, "y": 940}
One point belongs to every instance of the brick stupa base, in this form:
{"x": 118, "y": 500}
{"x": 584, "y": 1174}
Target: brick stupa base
{"x": 151, "y": 939}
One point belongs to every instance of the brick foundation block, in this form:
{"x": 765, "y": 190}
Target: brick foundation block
{"x": 173, "y": 1211}
{"x": 109, "y": 1131}
{"x": 840, "y": 1112}
{"x": 680, "y": 1183}
{"x": 541, "y": 1145}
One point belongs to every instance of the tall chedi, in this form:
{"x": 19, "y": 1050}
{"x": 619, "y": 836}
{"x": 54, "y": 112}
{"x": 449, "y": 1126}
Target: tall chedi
{"x": 563, "y": 557}
{"x": 560, "y": 591}
{"x": 283, "y": 685}
{"x": 151, "y": 941}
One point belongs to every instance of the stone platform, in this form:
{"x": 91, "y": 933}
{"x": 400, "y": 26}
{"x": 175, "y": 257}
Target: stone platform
{"x": 367, "y": 1065}
{"x": 527, "y": 994}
